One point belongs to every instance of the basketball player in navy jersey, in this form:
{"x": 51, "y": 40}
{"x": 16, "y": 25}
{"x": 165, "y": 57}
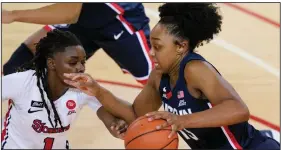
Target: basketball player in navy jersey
{"x": 120, "y": 29}
{"x": 200, "y": 105}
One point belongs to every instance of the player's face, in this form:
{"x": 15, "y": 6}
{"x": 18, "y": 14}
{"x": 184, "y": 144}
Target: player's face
{"x": 72, "y": 60}
{"x": 163, "y": 48}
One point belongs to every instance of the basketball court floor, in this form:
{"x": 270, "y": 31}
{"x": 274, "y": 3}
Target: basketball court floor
{"x": 246, "y": 52}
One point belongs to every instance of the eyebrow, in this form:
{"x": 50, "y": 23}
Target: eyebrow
{"x": 76, "y": 57}
{"x": 155, "y": 38}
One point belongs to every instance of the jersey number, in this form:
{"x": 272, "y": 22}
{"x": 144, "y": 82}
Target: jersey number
{"x": 48, "y": 143}
{"x": 189, "y": 135}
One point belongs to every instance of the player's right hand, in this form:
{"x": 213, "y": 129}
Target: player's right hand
{"x": 7, "y": 17}
{"x": 119, "y": 127}
{"x": 83, "y": 82}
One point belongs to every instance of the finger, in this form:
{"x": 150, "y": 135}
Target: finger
{"x": 117, "y": 127}
{"x": 120, "y": 127}
{"x": 172, "y": 134}
{"x": 113, "y": 126}
{"x": 157, "y": 115}
{"x": 77, "y": 84}
{"x": 123, "y": 130}
{"x": 122, "y": 124}
{"x": 80, "y": 78}
{"x": 152, "y": 113}
{"x": 69, "y": 75}
{"x": 74, "y": 75}
{"x": 164, "y": 125}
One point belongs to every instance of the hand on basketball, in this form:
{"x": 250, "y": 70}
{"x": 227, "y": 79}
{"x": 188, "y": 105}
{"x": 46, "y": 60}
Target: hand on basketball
{"x": 7, "y": 17}
{"x": 171, "y": 120}
{"x": 83, "y": 82}
{"x": 118, "y": 128}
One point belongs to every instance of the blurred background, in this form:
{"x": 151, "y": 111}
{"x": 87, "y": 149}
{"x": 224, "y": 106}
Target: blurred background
{"x": 246, "y": 52}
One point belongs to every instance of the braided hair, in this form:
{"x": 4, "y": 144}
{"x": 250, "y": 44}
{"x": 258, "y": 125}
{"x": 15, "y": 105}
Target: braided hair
{"x": 55, "y": 41}
{"x": 195, "y": 22}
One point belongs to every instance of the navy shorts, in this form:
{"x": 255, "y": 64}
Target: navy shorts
{"x": 263, "y": 142}
{"x": 126, "y": 46}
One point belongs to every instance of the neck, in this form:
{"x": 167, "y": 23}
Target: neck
{"x": 56, "y": 87}
{"x": 174, "y": 71}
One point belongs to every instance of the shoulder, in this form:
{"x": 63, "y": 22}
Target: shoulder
{"x": 19, "y": 77}
{"x": 23, "y": 74}
{"x": 199, "y": 70}
{"x": 18, "y": 85}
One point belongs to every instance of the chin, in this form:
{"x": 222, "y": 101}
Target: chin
{"x": 69, "y": 86}
{"x": 158, "y": 69}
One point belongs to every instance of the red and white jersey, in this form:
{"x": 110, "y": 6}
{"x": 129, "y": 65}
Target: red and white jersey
{"x": 26, "y": 124}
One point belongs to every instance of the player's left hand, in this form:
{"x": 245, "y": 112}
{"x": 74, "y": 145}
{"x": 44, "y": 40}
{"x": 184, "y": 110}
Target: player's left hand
{"x": 83, "y": 82}
{"x": 118, "y": 128}
{"x": 173, "y": 120}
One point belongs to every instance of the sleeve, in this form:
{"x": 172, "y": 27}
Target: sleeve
{"x": 92, "y": 102}
{"x": 13, "y": 85}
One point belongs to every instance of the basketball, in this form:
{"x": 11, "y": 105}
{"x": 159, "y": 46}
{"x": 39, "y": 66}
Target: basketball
{"x": 142, "y": 134}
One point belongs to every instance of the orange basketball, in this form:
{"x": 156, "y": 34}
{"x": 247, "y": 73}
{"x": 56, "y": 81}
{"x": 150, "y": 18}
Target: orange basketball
{"x": 142, "y": 134}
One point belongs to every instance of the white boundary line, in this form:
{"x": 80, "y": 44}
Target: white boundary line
{"x": 234, "y": 49}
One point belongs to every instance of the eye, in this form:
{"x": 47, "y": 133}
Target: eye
{"x": 73, "y": 63}
{"x": 156, "y": 47}
{"x": 83, "y": 62}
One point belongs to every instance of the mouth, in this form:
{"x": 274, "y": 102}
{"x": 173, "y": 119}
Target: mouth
{"x": 156, "y": 64}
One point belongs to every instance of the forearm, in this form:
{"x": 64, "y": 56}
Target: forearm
{"x": 227, "y": 113}
{"x": 116, "y": 106}
{"x": 59, "y": 13}
{"x": 106, "y": 118}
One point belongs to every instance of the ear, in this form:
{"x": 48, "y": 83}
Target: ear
{"x": 51, "y": 64}
{"x": 182, "y": 47}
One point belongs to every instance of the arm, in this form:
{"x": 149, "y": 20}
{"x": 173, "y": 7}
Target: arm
{"x": 114, "y": 125}
{"x": 59, "y": 13}
{"x": 228, "y": 108}
{"x": 148, "y": 100}
{"x": 111, "y": 121}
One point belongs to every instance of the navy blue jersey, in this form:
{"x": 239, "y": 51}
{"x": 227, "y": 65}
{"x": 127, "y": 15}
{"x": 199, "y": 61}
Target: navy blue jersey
{"x": 179, "y": 101}
{"x": 96, "y": 15}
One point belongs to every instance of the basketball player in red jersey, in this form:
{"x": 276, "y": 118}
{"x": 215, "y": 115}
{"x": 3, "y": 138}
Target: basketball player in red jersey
{"x": 42, "y": 107}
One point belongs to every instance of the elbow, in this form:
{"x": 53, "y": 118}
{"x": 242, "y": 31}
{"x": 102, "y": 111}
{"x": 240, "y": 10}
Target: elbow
{"x": 71, "y": 19}
{"x": 247, "y": 114}
{"x": 67, "y": 13}
{"x": 244, "y": 113}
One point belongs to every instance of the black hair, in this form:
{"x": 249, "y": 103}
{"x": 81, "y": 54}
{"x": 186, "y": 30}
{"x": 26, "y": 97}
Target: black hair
{"x": 195, "y": 22}
{"x": 55, "y": 41}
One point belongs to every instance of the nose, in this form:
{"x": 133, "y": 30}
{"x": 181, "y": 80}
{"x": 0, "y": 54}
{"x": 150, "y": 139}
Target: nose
{"x": 80, "y": 68}
{"x": 151, "y": 52}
